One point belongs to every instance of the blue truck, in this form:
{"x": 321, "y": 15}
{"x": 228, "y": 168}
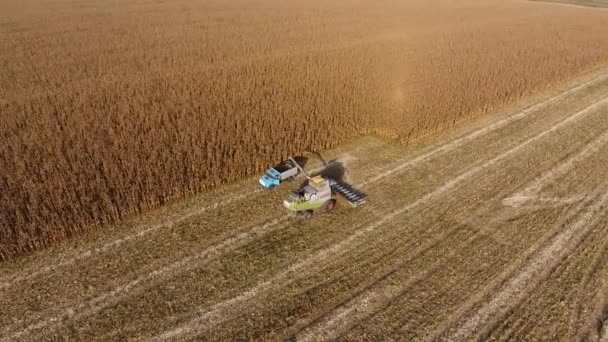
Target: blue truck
{"x": 277, "y": 174}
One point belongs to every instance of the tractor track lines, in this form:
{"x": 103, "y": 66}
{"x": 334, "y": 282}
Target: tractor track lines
{"x": 370, "y": 300}
{"x": 504, "y": 276}
{"x": 215, "y": 311}
{"x": 419, "y": 251}
{"x": 12, "y": 281}
{"x": 550, "y": 176}
{"x": 532, "y": 190}
{"x": 547, "y": 257}
{"x": 96, "y": 304}
{"x": 560, "y": 275}
{"x": 473, "y": 249}
{"x": 378, "y": 245}
{"x": 597, "y": 325}
{"x": 377, "y": 251}
{"x": 594, "y": 267}
{"x": 385, "y": 296}
{"x": 529, "y": 317}
{"x": 363, "y": 304}
{"x": 360, "y": 306}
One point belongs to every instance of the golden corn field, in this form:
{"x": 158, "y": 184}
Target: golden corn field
{"x": 111, "y": 108}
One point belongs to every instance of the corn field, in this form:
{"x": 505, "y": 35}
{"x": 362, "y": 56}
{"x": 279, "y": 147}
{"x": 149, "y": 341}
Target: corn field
{"x": 110, "y": 109}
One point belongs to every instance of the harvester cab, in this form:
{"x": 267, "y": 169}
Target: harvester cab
{"x": 317, "y": 195}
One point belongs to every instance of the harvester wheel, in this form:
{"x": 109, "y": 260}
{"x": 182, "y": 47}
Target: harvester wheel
{"x": 329, "y": 205}
{"x": 307, "y": 215}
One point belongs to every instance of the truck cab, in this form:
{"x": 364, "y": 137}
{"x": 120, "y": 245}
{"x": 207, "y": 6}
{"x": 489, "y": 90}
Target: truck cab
{"x": 270, "y": 179}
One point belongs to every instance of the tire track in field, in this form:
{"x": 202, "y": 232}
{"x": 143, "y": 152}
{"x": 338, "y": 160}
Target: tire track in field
{"x": 33, "y": 273}
{"x": 96, "y": 304}
{"x": 563, "y": 281}
{"x": 480, "y": 297}
{"x": 214, "y": 313}
{"x": 594, "y": 267}
{"x": 419, "y": 250}
{"x": 406, "y": 259}
{"x": 61, "y": 263}
{"x": 513, "y": 291}
{"x": 487, "y": 231}
{"x": 438, "y": 267}
{"x": 374, "y": 298}
{"x": 597, "y": 327}
{"x": 371, "y": 300}
{"x": 530, "y": 315}
{"x": 535, "y": 292}
{"x": 470, "y": 250}
{"x": 531, "y": 192}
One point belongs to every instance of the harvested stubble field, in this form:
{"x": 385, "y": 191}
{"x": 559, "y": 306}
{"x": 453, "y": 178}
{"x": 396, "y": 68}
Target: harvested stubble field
{"x": 112, "y": 108}
{"x": 592, "y": 3}
{"x": 496, "y": 230}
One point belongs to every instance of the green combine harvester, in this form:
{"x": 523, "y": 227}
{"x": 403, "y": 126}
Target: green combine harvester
{"x": 320, "y": 194}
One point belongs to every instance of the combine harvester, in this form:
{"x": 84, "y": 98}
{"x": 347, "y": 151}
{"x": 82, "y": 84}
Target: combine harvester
{"x": 320, "y": 194}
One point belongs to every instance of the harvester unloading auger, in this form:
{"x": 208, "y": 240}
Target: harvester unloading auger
{"x": 320, "y": 194}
